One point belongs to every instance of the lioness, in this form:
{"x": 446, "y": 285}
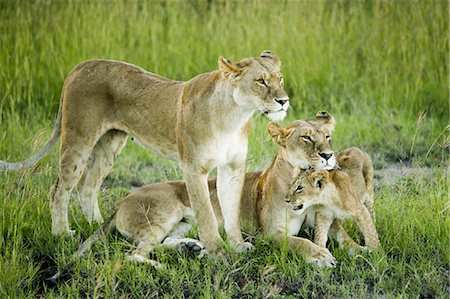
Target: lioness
{"x": 338, "y": 194}
{"x": 150, "y": 213}
{"x": 202, "y": 123}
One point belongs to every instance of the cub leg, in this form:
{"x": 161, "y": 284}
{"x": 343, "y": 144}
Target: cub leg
{"x": 338, "y": 233}
{"x": 311, "y": 252}
{"x": 197, "y": 187}
{"x": 322, "y": 226}
{"x": 72, "y": 162}
{"x": 150, "y": 236}
{"x": 177, "y": 238}
{"x": 144, "y": 246}
{"x": 180, "y": 230}
{"x": 98, "y": 167}
{"x": 367, "y": 227}
{"x": 230, "y": 181}
{"x": 369, "y": 203}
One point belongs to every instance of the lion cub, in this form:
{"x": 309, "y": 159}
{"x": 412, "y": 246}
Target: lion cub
{"x": 338, "y": 194}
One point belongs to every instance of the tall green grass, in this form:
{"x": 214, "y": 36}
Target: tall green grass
{"x": 380, "y": 67}
{"x": 374, "y": 64}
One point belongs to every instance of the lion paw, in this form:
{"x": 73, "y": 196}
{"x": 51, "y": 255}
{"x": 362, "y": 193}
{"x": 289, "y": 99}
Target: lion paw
{"x": 186, "y": 245}
{"x": 64, "y": 233}
{"x": 242, "y": 246}
{"x": 322, "y": 257}
{"x": 352, "y": 250}
{"x": 135, "y": 257}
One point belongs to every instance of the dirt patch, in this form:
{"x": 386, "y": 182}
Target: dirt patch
{"x": 394, "y": 173}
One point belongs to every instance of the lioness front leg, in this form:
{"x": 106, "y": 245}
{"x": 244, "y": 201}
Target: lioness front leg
{"x": 230, "y": 180}
{"x": 322, "y": 226}
{"x": 208, "y": 230}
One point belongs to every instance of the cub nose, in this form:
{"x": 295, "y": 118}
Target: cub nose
{"x": 299, "y": 207}
{"x": 281, "y": 101}
{"x": 325, "y": 155}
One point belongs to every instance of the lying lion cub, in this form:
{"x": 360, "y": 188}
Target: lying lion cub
{"x": 338, "y": 194}
{"x": 156, "y": 211}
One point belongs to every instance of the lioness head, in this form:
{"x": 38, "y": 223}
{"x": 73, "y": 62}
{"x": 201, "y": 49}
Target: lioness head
{"x": 258, "y": 83}
{"x": 305, "y": 190}
{"x": 307, "y": 143}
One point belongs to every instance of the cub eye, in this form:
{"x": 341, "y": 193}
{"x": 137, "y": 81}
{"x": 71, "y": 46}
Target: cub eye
{"x": 261, "y": 82}
{"x": 299, "y": 189}
{"x": 307, "y": 138}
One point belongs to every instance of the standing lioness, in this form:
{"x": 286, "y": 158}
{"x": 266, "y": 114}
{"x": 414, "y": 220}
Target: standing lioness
{"x": 202, "y": 123}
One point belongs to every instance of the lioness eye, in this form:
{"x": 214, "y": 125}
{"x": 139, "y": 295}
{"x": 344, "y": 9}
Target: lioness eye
{"x": 261, "y": 82}
{"x": 307, "y": 138}
{"x": 298, "y": 189}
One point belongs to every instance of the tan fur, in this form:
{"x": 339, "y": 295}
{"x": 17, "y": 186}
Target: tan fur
{"x": 149, "y": 214}
{"x": 338, "y": 194}
{"x": 202, "y": 123}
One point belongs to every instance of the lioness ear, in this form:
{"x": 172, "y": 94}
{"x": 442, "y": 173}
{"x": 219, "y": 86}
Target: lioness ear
{"x": 270, "y": 55}
{"x": 327, "y": 119}
{"x": 231, "y": 70}
{"x": 279, "y": 134}
{"x": 319, "y": 178}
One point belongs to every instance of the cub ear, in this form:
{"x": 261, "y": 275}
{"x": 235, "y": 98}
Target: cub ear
{"x": 279, "y": 134}
{"x": 319, "y": 178}
{"x": 231, "y": 70}
{"x": 270, "y": 55}
{"x": 327, "y": 119}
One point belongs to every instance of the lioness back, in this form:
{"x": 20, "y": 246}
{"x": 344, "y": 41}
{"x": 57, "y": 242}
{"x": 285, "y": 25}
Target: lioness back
{"x": 101, "y": 94}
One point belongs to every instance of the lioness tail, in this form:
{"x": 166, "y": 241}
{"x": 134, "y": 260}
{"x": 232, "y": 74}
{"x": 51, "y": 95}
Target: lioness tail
{"x": 30, "y": 161}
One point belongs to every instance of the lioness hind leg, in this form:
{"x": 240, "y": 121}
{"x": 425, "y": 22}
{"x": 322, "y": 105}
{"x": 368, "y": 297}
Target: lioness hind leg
{"x": 98, "y": 167}
{"x": 72, "y": 162}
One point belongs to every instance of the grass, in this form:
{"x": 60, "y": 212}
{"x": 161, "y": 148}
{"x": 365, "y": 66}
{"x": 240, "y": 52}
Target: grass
{"x": 381, "y": 68}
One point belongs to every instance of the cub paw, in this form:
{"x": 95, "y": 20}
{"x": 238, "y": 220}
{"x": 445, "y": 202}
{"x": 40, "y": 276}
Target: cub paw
{"x": 242, "y": 246}
{"x": 354, "y": 249}
{"x": 321, "y": 257}
{"x": 135, "y": 257}
{"x": 186, "y": 245}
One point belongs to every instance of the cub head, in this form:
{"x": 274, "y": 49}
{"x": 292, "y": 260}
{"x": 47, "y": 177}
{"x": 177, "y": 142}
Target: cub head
{"x": 258, "y": 84}
{"x": 305, "y": 190}
{"x": 307, "y": 143}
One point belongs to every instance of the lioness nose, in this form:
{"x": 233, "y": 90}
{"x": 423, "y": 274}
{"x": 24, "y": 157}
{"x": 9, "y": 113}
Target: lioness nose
{"x": 281, "y": 101}
{"x": 325, "y": 155}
